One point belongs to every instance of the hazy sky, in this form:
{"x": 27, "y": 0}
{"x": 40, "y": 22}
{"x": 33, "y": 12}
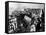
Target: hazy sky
{"x": 18, "y": 6}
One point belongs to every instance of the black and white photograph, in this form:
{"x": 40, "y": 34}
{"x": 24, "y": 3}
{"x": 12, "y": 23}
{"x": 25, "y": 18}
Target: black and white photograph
{"x": 24, "y": 17}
